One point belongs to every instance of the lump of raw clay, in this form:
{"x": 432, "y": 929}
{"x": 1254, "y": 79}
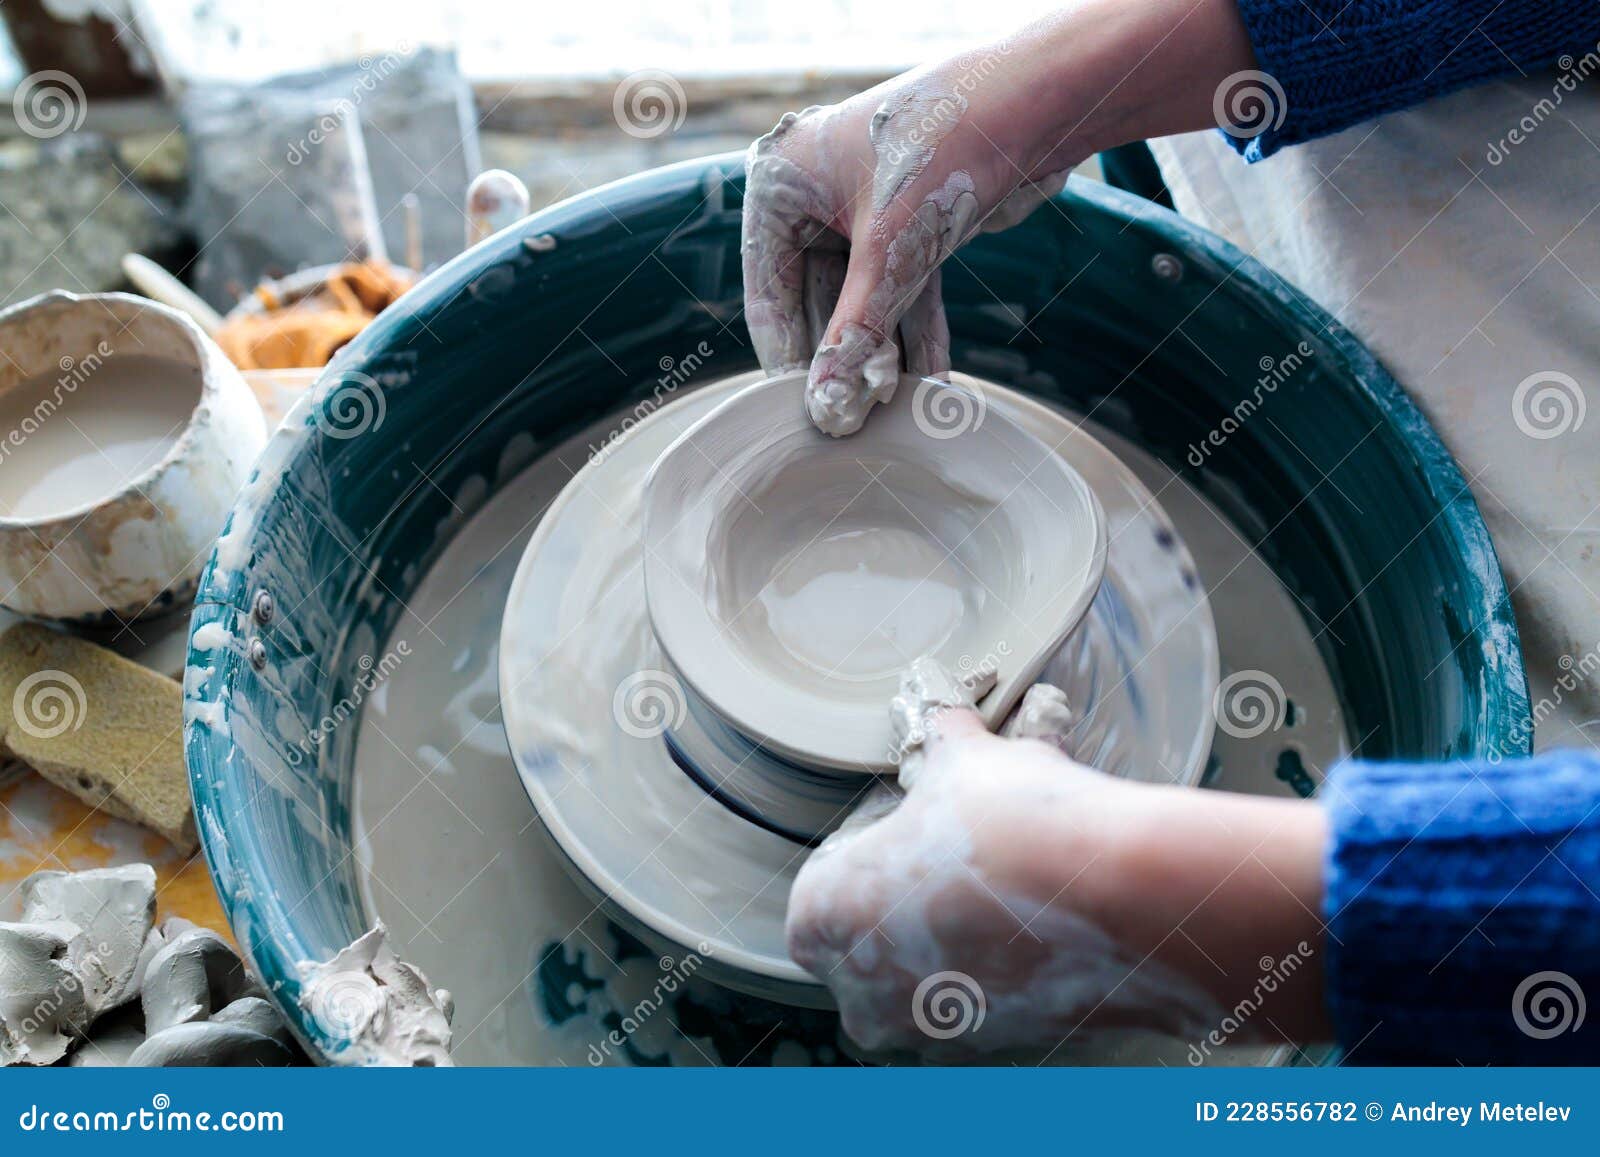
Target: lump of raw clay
{"x": 112, "y": 909}
{"x": 98, "y": 725}
{"x": 41, "y": 1001}
{"x": 377, "y": 1006}
{"x": 201, "y": 1007}
{"x": 86, "y": 947}
{"x": 193, "y": 975}
{"x": 208, "y": 1043}
{"x": 72, "y": 956}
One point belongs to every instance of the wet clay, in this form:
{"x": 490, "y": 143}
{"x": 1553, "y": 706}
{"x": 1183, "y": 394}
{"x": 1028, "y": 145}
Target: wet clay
{"x": 380, "y": 1006}
{"x": 72, "y": 439}
{"x": 86, "y": 971}
{"x": 927, "y": 689}
{"x": 791, "y": 577}
{"x": 73, "y": 954}
{"x": 432, "y": 761}
{"x": 865, "y": 592}
{"x": 433, "y": 765}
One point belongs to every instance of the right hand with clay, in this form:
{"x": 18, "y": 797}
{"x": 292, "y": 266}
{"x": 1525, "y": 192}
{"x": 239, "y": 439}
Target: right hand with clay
{"x": 851, "y": 209}
{"x": 1057, "y": 900}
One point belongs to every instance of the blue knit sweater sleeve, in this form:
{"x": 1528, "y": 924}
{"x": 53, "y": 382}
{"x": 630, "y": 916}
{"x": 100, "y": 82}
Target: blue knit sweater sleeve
{"x": 1328, "y": 64}
{"x": 1463, "y": 909}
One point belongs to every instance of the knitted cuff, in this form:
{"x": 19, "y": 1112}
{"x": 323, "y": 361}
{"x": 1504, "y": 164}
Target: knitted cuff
{"x": 1328, "y": 64}
{"x": 1463, "y": 909}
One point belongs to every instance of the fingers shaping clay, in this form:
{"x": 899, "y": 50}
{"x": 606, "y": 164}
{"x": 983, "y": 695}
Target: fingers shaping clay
{"x": 928, "y": 689}
{"x": 1043, "y": 714}
{"x": 98, "y": 725}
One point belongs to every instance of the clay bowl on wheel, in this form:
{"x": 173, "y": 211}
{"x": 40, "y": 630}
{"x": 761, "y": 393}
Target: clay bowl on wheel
{"x": 793, "y": 576}
{"x": 1346, "y": 493}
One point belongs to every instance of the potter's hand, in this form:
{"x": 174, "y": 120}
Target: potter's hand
{"x": 1016, "y": 898}
{"x": 850, "y": 209}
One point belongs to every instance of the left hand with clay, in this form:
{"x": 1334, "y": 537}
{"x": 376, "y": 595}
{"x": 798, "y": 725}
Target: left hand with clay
{"x": 851, "y": 209}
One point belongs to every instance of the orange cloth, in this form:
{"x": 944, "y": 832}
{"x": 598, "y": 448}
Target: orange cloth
{"x": 308, "y": 332}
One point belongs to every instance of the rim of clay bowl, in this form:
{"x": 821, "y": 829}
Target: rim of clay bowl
{"x": 205, "y": 361}
{"x": 699, "y": 477}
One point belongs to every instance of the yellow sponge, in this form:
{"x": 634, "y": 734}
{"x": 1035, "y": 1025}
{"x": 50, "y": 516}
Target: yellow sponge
{"x": 98, "y": 725}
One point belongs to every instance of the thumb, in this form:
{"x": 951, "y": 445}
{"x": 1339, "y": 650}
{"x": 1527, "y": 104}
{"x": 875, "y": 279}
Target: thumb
{"x": 953, "y": 723}
{"x": 922, "y": 760}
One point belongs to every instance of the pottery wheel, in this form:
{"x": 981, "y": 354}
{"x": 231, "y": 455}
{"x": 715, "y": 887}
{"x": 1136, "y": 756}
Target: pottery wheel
{"x": 589, "y": 703}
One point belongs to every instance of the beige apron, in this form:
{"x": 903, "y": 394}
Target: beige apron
{"x": 1461, "y": 242}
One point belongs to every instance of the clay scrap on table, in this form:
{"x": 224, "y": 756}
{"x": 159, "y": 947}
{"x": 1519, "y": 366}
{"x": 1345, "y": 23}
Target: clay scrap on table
{"x": 376, "y": 1008}
{"x": 100, "y": 726}
{"x": 87, "y": 976}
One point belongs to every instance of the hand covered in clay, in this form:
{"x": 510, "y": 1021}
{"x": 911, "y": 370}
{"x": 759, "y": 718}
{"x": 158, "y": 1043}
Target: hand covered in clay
{"x": 955, "y": 901}
{"x": 1016, "y": 899}
{"x": 850, "y": 210}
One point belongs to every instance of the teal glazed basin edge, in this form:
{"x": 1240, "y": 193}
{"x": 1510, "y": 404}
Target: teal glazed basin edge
{"x": 1100, "y": 300}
